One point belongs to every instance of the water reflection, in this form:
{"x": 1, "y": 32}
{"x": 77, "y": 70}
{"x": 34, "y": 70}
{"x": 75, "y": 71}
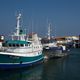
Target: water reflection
{"x": 67, "y": 68}
{"x": 54, "y": 70}
{"x": 33, "y": 73}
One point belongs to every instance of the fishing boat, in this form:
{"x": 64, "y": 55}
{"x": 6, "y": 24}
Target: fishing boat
{"x": 20, "y": 51}
{"x": 50, "y": 46}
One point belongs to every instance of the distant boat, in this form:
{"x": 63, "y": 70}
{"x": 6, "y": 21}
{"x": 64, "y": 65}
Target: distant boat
{"x": 48, "y": 42}
{"x": 50, "y": 46}
{"x": 20, "y": 51}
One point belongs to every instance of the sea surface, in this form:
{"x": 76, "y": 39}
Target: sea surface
{"x": 66, "y": 68}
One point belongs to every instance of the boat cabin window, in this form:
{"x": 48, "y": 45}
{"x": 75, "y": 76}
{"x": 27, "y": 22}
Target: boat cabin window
{"x": 21, "y": 45}
{"x": 14, "y": 45}
{"x": 17, "y": 45}
{"x": 26, "y": 44}
{"x": 10, "y": 45}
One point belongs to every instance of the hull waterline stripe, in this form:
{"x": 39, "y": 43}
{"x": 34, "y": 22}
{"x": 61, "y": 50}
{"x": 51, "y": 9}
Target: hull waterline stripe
{"x": 19, "y": 54}
{"x": 23, "y": 62}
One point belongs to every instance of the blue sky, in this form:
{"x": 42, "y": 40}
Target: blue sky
{"x": 64, "y": 16}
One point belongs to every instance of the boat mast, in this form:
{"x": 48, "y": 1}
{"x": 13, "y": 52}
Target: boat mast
{"x": 49, "y": 31}
{"x": 19, "y": 35}
{"x": 18, "y": 25}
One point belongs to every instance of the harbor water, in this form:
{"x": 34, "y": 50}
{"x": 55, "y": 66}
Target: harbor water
{"x": 66, "y": 68}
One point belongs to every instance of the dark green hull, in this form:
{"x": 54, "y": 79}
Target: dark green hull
{"x": 7, "y": 61}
